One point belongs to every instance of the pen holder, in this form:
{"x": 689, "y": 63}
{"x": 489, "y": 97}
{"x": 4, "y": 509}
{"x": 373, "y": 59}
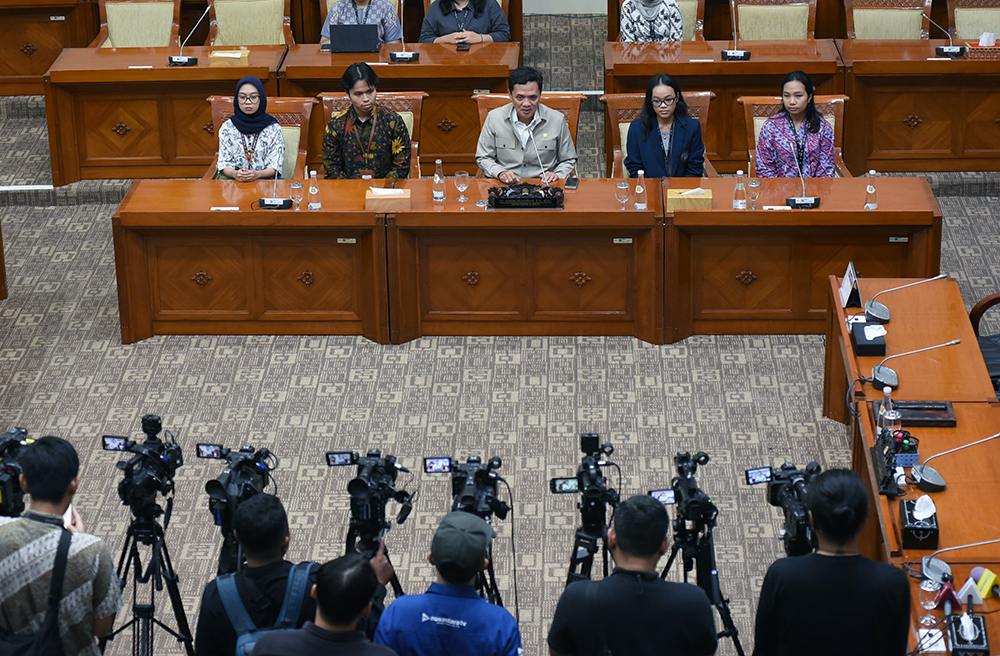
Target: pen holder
{"x": 907, "y": 459}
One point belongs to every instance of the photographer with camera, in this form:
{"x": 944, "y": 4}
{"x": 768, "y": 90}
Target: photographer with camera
{"x": 834, "y": 600}
{"x": 451, "y": 619}
{"x": 90, "y": 594}
{"x": 634, "y": 611}
{"x": 261, "y": 528}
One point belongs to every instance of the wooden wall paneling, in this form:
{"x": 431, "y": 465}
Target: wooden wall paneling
{"x": 32, "y": 34}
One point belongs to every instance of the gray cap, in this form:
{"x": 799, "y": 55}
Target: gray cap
{"x": 460, "y": 545}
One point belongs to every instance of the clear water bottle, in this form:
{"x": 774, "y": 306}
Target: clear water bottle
{"x": 886, "y": 405}
{"x": 315, "y": 204}
{"x": 640, "y": 191}
{"x": 739, "y": 193}
{"x": 439, "y": 186}
{"x": 871, "y": 193}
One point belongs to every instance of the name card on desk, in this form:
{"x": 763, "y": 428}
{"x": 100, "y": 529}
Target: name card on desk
{"x": 387, "y": 200}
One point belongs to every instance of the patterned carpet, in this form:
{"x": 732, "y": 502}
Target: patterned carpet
{"x": 745, "y": 400}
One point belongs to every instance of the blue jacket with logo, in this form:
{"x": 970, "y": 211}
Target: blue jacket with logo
{"x": 448, "y": 620}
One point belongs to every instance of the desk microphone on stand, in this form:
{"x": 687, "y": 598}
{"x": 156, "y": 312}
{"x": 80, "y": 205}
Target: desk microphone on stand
{"x": 950, "y": 50}
{"x": 274, "y": 203}
{"x": 928, "y": 479}
{"x": 935, "y": 569}
{"x": 735, "y": 54}
{"x": 540, "y": 165}
{"x": 403, "y": 56}
{"x": 802, "y": 202}
{"x": 180, "y": 59}
{"x": 878, "y": 313}
{"x": 883, "y": 376}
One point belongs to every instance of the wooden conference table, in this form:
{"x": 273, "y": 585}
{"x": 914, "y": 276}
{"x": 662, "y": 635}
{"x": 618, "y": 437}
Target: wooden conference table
{"x": 123, "y": 113}
{"x": 698, "y": 66}
{"x": 449, "y": 116}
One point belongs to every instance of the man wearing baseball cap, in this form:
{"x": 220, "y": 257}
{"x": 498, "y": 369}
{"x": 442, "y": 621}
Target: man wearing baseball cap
{"x": 451, "y": 619}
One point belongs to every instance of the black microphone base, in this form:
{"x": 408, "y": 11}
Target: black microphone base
{"x": 404, "y": 57}
{"x": 182, "y": 60}
{"x": 735, "y": 55}
{"x": 275, "y": 203}
{"x": 803, "y": 202}
{"x": 950, "y": 51}
{"x": 962, "y": 647}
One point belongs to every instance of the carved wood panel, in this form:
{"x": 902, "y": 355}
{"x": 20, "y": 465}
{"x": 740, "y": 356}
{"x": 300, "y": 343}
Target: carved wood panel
{"x": 459, "y": 120}
{"x": 467, "y": 276}
{"x": 904, "y": 122}
{"x": 189, "y": 117}
{"x": 30, "y": 42}
{"x": 586, "y": 276}
{"x": 741, "y": 274}
{"x": 982, "y": 121}
{"x": 119, "y": 129}
{"x": 321, "y": 278}
{"x": 211, "y": 280}
{"x": 873, "y": 256}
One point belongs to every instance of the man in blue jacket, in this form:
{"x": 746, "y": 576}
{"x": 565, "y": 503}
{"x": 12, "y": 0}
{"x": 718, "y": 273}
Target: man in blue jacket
{"x": 451, "y": 619}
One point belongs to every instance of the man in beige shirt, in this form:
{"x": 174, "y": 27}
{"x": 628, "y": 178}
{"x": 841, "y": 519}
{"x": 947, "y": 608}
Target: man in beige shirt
{"x": 519, "y": 135}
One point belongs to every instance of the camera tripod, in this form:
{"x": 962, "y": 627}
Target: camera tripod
{"x": 353, "y": 536}
{"x": 145, "y": 530}
{"x": 702, "y": 557}
{"x": 584, "y": 548}
{"x": 486, "y": 583}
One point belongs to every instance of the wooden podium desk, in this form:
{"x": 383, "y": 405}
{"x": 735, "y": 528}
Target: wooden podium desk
{"x": 449, "y": 117}
{"x": 588, "y": 269}
{"x": 108, "y": 119}
{"x": 184, "y": 269}
{"x": 765, "y": 271}
{"x": 893, "y": 126}
{"x": 932, "y": 313}
{"x": 698, "y": 66}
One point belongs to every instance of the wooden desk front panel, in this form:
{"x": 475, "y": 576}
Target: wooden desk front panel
{"x": 32, "y": 34}
{"x": 628, "y": 67}
{"x": 587, "y": 270}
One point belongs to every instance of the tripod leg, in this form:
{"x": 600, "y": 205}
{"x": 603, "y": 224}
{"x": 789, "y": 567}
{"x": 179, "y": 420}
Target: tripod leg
{"x": 490, "y": 581}
{"x": 582, "y": 560}
{"x": 397, "y": 589}
{"x": 171, "y": 579}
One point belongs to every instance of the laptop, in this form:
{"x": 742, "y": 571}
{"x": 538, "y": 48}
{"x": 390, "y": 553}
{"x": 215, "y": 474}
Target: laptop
{"x": 352, "y": 38}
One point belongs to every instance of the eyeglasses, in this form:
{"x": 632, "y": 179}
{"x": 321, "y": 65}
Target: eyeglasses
{"x": 248, "y": 99}
{"x": 666, "y": 102}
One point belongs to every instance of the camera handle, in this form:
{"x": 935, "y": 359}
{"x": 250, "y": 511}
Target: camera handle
{"x": 352, "y": 547}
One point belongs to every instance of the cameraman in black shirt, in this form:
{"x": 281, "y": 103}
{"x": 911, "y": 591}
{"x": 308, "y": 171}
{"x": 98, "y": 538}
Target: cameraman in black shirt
{"x": 634, "y": 612}
{"x": 834, "y": 601}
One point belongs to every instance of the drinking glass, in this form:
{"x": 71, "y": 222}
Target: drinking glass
{"x": 296, "y": 193}
{"x": 623, "y": 191}
{"x": 754, "y": 193}
{"x": 462, "y": 183}
{"x": 928, "y": 595}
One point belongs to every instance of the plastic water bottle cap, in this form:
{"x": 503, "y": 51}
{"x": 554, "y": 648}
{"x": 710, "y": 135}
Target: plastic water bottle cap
{"x": 872, "y": 172}
{"x": 739, "y": 172}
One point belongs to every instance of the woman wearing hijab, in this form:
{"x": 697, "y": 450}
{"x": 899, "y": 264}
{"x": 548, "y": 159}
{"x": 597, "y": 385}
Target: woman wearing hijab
{"x": 651, "y": 20}
{"x": 250, "y": 143}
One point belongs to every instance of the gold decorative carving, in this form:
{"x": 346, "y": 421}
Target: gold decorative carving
{"x": 746, "y": 277}
{"x": 121, "y": 129}
{"x": 580, "y": 278}
{"x": 472, "y": 278}
{"x": 307, "y": 278}
{"x": 201, "y": 278}
{"x": 446, "y": 125}
{"x": 209, "y": 128}
{"x": 913, "y": 121}
{"x": 28, "y": 49}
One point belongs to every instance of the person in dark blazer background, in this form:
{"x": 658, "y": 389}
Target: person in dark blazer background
{"x": 665, "y": 133}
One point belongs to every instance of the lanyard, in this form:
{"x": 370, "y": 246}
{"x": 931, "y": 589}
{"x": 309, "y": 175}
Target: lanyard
{"x": 667, "y": 147}
{"x": 371, "y": 134}
{"x": 465, "y": 17}
{"x": 250, "y": 149}
{"x": 362, "y": 18}
{"x": 800, "y": 146}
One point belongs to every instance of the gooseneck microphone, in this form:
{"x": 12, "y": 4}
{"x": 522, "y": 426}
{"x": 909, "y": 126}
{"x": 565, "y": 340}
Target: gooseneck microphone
{"x": 883, "y": 376}
{"x": 403, "y": 56}
{"x": 542, "y": 167}
{"x": 878, "y": 313}
{"x": 928, "y": 479}
{"x": 950, "y": 50}
{"x": 802, "y": 202}
{"x": 275, "y": 203}
{"x": 180, "y": 59}
{"x": 935, "y": 569}
{"x": 735, "y": 54}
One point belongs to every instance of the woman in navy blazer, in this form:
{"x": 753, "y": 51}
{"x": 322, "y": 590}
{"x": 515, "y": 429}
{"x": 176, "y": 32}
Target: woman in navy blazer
{"x": 664, "y": 127}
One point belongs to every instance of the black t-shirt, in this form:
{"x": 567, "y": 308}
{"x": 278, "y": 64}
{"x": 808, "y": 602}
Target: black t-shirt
{"x": 833, "y": 605}
{"x": 638, "y": 614}
{"x": 311, "y": 640}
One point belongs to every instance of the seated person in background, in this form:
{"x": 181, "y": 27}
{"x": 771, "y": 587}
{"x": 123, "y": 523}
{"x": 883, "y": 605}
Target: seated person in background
{"x": 365, "y": 140}
{"x": 250, "y": 143}
{"x": 465, "y": 21}
{"x": 664, "y": 142}
{"x": 651, "y": 20}
{"x": 451, "y": 619}
{"x": 343, "y": 594}
{"x": 834, "y": 600}
{"x": 503, "y": 151}
{"x": 634, "y": 611}
{"x": 364, "y": 12}
{"x": 797, "y": 138}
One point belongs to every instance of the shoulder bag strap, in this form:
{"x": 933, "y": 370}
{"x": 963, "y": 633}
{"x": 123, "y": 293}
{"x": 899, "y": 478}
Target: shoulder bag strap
{"x": 234, "y": 607}
{"x": 298, "y": 580}
{"x": 51, "y": 621}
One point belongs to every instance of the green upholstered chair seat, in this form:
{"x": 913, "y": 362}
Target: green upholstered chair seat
{"x": 139, "y": 24}
{"x": 290, "y": 134}
{"x": 408, "y": 120}
{"x": 773, "y": 22}
{"x": 970, "y": 23}
{"x": 249, "y": 22}
{"x": 623, "y": 130}
{"x": 887, "y": 23}
{"x": 689, "y": 17}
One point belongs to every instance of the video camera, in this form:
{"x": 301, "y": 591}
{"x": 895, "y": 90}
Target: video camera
{"x": 247, "y": 472}
{"x": 150, "y": 472}
{"x": 786, "y": 489}
{"x": 372, "y": 487}
{"x": 473, "y": 484}
{"x": 11, "y": 494}
{"x": 695, "y": 511}
{"x": 591, "y": 484}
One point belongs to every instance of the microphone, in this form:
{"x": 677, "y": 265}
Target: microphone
{"x": 986, "y": 582}
{"x": 947, "y": 599}
{"x": 531, "y": 136}
{"x": 403, "y": 56}
{"x": 275, "y": 203}
{"x": 950, "y": 50}
{"x": 883, "y": 376}
{"x": 180, "y": 59}
{"x": 878, "y": 313}
{"x": 935, "y": 569}
{"x": 803, "y": 202}
{"x": 735, "y": 54}
{"x": 928, "y": 479}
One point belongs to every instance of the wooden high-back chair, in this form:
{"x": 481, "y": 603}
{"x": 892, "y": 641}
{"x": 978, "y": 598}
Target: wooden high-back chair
{"x": 622, "y": 108}
{"x": 250, "y": 23}
{"x": 692, "y": 19}
{"x": 968, "y": 19}
{"x": 407, "y": 104}
{"x": 292, "y": 115}
{"x": 757, "y": 109}
{"x": 138, "y": 24}
{"x": 776, "y": 20}
{"x": 887, "y": 19}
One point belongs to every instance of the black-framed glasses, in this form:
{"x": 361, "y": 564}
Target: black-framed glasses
{"x": 665, "y": 102}
{"x": 246, "y": 99}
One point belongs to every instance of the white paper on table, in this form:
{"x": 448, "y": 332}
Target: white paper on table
{"x": 386, "y": 192}
{"x": 931, "y": 641}
{"x": 228, "y": 55}
{"x": 225, "y": 209}
{"x": 777, "y": 207}
{"x": 134, "y": 67}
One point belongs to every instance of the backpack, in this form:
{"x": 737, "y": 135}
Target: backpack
{"x": 247, "y": 634}
{"x": 47, "y": 642}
